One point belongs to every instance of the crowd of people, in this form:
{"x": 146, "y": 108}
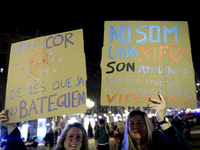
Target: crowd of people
{"x": 138, "y": 133}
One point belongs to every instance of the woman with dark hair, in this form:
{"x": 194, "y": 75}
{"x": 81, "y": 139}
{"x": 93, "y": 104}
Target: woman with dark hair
{"x": 73, "y": 137}
{"x": 139, "y": 134}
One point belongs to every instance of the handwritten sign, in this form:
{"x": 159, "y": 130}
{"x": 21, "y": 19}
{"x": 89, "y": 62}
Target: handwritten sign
{"x": 47, "y": 77}
{"x": 142, "y": 58}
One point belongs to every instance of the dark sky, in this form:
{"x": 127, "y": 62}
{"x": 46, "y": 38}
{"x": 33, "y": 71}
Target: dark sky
{"x": 92, "y": 23}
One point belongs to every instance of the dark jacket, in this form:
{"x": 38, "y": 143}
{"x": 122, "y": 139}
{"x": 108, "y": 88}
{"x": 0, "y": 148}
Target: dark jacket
{"x": 179, "y": 124}
{"x": 14, "y": 141}
{"x": 49, "y": 137}
{"x": 170, "y": 139}
{"x": 100, "y": 134}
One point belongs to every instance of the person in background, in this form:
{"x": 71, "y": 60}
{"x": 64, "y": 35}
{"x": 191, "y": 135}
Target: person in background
{"x": 139, "y": 134}
{"x": 178, "y": 123}
{"x": 49, "y": 139}
{"x": 188, "y": 128}
{"x": 111, "y": 127}
{"x": 155, "y": 123}
{"x": 115, "y": 126}
{"x": 90, "y": 131}
{"x": 73, "y": 137}
{"x": 28, "y": 136}
{"x": 102, "y": 135}
{"x": 58, "y": 136}
{"x": 14, "y": 141}
{"x": 198, "y": 119}
{"x": 170, "y": 118}
{"x": 119, "y": 135}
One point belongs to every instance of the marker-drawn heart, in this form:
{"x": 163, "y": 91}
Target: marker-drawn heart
{"x": 20, "y": 64}
{"x": 19, "y": 76}
{"x": 46, "y": 71}
{"x": 25, "y": 57}
{"x": 25, "y": 68}
{"x": 37, "y": 79}
{"x": 60, "y": 60}
{"x": 54, "y": 70}
{"x": 28, "y": 83}
{"x": 50, "y": 53}
{"x": 52, "y": 58}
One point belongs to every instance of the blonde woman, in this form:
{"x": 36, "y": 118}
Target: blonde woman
{"x": 119, "y": 134}
{"x": 139, "y": 134}
{"x": 73, "y": 137}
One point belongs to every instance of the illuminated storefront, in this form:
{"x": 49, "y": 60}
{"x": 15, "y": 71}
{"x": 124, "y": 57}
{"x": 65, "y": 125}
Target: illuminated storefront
{"x": 41, "y": 129}
{"x": 24, "y": 130}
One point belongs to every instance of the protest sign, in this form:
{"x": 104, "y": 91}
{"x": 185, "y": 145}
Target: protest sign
{"x": 47, "y": 77}
{"x": 142, "y": 58}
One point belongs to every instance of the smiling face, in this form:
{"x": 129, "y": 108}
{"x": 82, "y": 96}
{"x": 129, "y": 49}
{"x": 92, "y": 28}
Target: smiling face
{"x": 73, "y": 140}
{"x": 138, "y": 128}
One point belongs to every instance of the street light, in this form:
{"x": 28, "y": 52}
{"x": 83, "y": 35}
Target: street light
{"x": 89, "y": 103}
{"x": 82, "y": 115}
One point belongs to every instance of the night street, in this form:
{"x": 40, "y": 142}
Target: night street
{"x": 91, "y": 72}
{"x": 195, "y": 133}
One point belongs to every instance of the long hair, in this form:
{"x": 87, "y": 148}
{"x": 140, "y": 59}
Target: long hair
{"x": 128, "y": 143}
{"x": 60, "y": 144}
{"x": 121, "y": 126}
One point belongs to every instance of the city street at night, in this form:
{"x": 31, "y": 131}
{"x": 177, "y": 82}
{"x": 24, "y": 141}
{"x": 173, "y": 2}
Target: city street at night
{"x": 104, "y": 72}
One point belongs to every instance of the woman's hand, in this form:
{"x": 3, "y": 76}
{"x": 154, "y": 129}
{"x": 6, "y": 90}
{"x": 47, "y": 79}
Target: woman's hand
{"x": 3, "y": 121}
{"x": 159, "y": 106}
{"x": 3, "y": 117}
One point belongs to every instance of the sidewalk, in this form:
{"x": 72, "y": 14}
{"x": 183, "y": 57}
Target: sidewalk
{"x": 195, "y": 130}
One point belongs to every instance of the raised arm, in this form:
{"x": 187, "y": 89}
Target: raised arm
{"x": 14, "y": 141}
{"x": 3, "y": 121}
{"x": 160, "y": 107}
{"x": 171, "y": 138}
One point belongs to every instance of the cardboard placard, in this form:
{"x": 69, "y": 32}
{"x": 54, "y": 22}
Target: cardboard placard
{"x": 47, "y": 77}
{"x": 142, "y": 58}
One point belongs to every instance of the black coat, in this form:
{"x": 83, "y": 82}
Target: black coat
{"x": 14, "y": 141}
{"x": 49, "y": 137}
{"x": 170, "y": 139}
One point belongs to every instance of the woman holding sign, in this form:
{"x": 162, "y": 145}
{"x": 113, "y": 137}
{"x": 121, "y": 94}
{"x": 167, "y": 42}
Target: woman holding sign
{"x": 73, "y": 136}
{"x": 139, "y": 134}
